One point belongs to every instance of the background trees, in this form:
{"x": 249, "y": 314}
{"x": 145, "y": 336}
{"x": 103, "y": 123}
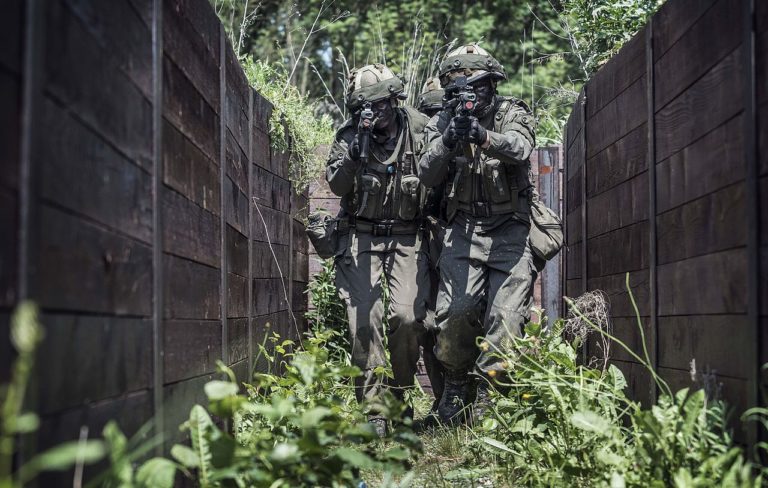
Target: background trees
{"x": 549, "y": 47}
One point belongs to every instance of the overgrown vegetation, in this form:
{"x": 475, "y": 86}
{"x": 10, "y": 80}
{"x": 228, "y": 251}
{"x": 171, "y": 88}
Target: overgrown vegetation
{"x": 328, "y": 310}
{"x": 552, "y": 422}
{"x": 300, "y": 428}
{"x": 293, "y": 125}
{"x": 549, "y": 47}
{"x": 563, "y": 424}
{"x": 123, "y": 455}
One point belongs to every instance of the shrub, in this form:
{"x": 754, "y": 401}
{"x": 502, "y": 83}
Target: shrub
{"x": 329, "y": 311}
{"x": 302, "y": 428}
{"x": 293, "y": 124}
{"x": 559, "y": 423}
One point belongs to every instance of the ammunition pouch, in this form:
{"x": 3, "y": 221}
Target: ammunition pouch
{"x": 408, "y": 204}
{"x": 370, "y": 189}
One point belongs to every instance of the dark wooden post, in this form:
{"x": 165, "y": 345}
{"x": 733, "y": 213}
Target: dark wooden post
{"x": 753, "y": 213}
{"x": 157, "y": 219}
{"x": 652, "y": 340}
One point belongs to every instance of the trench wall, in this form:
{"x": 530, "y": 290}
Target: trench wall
{"x": 141, "y": 206}
{"x": 667, "y": 180}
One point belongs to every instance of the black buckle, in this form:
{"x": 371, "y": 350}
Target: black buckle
{"x": 380, "y": 230}
{"x": 481, "y": 209}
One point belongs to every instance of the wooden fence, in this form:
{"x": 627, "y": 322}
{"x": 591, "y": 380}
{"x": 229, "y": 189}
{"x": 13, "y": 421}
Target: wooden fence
{"x": 141, "y": 206}
{"x": 666, "y": 180}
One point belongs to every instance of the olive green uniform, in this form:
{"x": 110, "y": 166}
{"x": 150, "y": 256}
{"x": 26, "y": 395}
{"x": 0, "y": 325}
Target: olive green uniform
{"x": 381, "y": 238}
{"x": 487, "y": 268}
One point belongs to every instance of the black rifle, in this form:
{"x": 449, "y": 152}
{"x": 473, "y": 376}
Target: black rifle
{"x": 463, "y": 95}
{"x": 364, "y": 130}
{"x": 463, "y": 92}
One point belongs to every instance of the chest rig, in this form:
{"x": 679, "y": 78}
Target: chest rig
{"x": 387, "y": 190}
{"x": 484, "y": 186}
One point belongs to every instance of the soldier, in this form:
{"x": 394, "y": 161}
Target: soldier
{"x": 430, "y": 103}
{"x": 478, "y": 147}
{"x": 431, "y": 98}
{"x": 372, "y": 166}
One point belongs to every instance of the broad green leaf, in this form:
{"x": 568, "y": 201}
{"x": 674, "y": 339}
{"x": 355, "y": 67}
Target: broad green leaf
{"x": 63, "y": 457}
{"x": 617, "y": 378}
{"x": 497, "y": 444}
{"x": 200, "y": 425}
{"x": 284, "y": 452}
{"x": 185, "y": 456}
{"x": 490, "y": 424}
{"x": 26, "y": 423}
{"x": 218, "y": 390}
{"x": 590, "y": 421}
{"x": 683, "y": 479}
{"x": 607, "y": 455}
{"x": 354, "y": 457}
{"x": 156, "y": 473}
{"x": 26, "y": 331}
{"x": 617, "y": 481}
{"x": 398, "y": 453}
{"x": 311, "y": 418}
{"x": 306, "y": 367}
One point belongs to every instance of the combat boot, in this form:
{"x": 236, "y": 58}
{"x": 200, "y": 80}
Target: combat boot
{"x": 458, "y": 393}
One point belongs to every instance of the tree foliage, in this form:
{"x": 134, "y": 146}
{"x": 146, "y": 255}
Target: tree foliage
{"x": 549, "y": 47}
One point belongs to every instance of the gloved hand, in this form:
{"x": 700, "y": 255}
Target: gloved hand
{"x": 477, "y": 133}
{"x": 353, "y": 150}
{"x": 457, "y": 129}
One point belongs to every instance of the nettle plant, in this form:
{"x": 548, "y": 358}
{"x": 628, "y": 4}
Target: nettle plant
{"x": 300, "y": 428}
{"x": 555, "y": 422}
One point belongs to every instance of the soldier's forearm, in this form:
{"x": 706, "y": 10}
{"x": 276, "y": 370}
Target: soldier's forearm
{"x": 340, "y": 177}
{"x": 511, "y": 145}
{"x": 433, "y": 164}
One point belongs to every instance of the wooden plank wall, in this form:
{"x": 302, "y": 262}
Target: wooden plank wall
{"x": 660, "y": 147}
{"x": 10, "y": 169}
{"x": 151, "y": 198}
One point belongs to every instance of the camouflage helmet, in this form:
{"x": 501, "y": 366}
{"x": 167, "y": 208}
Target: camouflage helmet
{"x": 471, "y": 61}
{"x": 431, "y": 97}
{"x": 371, "y": 83}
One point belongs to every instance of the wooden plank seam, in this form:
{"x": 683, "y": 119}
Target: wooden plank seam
{"x": 222, "y": 192}
{"x": 652, "y": 244}
{"x": 157, "y": 221}
{"x": 32, "y": 80}
{"x": 250, "y": 232}
{"x": 584, "y": 283}
{"x": 753, "y": 215}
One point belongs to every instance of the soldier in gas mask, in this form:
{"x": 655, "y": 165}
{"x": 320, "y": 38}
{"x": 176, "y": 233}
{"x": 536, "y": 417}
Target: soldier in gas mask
{"x": 372, "y": 166}
{"x": 478, "y": 148}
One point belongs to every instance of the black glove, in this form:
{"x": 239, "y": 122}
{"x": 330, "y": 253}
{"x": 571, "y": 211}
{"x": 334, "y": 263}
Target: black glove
{"x": 457, "y": 130}
{"x": 353, "y": 150}
{"x": 477, "y": 133}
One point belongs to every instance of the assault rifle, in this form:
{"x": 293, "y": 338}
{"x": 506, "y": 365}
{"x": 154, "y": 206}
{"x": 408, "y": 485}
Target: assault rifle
{"x": 462, "y": 95}
{"x": 463, "y": 92}
{"x": 364, "y": 130}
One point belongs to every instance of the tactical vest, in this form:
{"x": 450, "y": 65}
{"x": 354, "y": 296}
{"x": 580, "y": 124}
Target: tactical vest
{"x": 389, "y": 190}
{"x": 483, "y": 186}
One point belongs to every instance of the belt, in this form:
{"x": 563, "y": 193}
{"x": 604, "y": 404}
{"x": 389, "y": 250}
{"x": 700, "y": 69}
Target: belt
{"x": 488, "y": 209}
{"x": 385, "y": 228}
